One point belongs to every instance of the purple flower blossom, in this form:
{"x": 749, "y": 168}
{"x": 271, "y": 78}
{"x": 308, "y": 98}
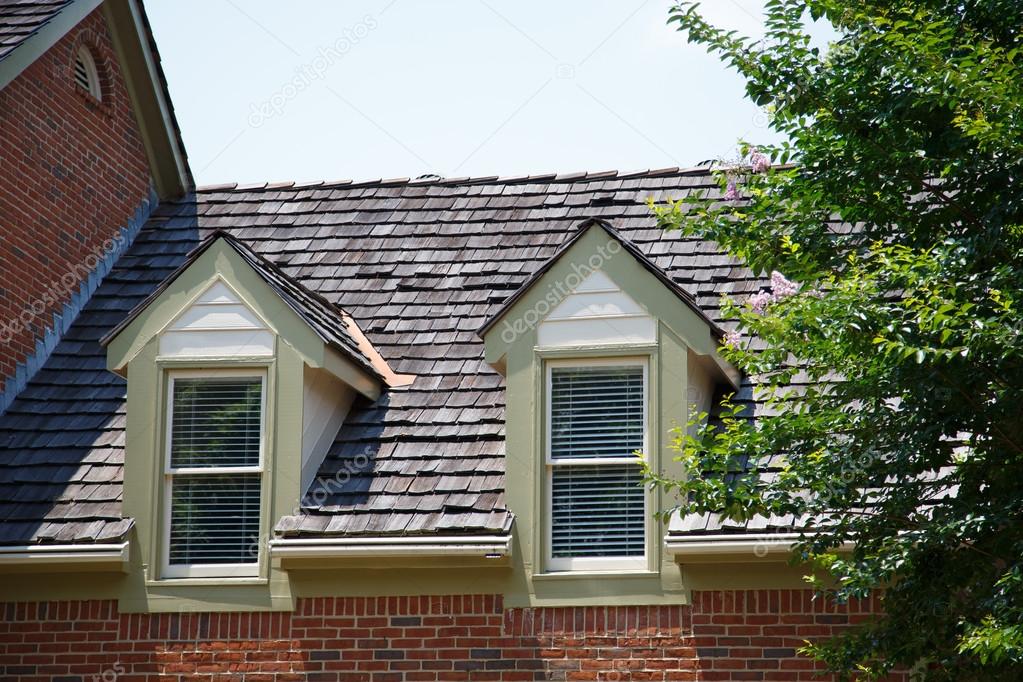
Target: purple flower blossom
{"x": 732, "y": 338}
{"x": 758, "y": 302}
{"x": 759, "y": 162}
{"x": 732, "y": 191}
{"x": 782, "y": 287}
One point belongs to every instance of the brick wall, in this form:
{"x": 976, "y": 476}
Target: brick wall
{"x": 723, "y": 636}
{"x": 73, "y": 172}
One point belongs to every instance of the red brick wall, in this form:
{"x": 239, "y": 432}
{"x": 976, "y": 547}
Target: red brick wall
{"x": 73, "y": 172}
{"x": 723, "y": 636}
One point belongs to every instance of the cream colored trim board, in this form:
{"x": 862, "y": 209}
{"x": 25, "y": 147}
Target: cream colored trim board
{"x": 62, "y": 554}
{"x": 495, "y": 546}
{"x": 152, "y": 109}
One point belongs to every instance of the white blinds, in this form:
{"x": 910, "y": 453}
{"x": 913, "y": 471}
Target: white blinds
{"x": 216, "y": 422}
{"x": 596, "y": 411}
{"x": 597, "y": 422}
{"x": 216, "y": 426}
{"x": 597, "y": 511}
{"x": 214, "y": 519}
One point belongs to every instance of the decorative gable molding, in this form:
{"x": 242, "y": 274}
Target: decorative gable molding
{"x": 217, "y": 324}
{"x": 597, "y": 312}
{"x": 258, "y": 305}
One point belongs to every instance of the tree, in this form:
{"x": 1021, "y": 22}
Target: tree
{"x": 906, "y": 428}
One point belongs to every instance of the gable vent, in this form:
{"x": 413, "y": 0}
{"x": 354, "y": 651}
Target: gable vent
{"x": 86, "y": 74}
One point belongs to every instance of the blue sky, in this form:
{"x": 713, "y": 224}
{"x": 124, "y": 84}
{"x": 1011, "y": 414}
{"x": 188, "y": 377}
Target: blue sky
{"x": 314, "y": 90}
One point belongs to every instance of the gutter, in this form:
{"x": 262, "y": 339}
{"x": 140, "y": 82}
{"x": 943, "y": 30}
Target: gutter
{"x": 14, "y": 555}
{"x": 776, "y": 545}
{"x": 485, "y": 546}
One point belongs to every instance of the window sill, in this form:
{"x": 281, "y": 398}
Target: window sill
{"x": 187, "y": 582}
{"x": 592, "y": 575}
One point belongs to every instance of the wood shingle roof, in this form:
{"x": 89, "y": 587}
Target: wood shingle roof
{"x": 420, "y": 266}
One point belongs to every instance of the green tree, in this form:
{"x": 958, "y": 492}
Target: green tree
{"x": 893, "y": 213}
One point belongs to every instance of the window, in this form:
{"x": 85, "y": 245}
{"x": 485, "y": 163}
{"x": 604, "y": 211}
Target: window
{"x": 86, "y": 73}
{"x": 597, "y": 505}
{"x": 214, "y": 474}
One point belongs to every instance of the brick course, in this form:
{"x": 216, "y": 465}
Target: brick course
{"x": 736, "y": 635}
{"x": 74, "y": 172}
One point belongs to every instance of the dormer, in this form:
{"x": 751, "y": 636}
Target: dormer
{"x": 239, "y": 379}
{"x": 603, "y": 355}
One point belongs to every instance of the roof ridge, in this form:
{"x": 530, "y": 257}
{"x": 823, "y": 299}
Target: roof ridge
{"x": 583, "y": 176}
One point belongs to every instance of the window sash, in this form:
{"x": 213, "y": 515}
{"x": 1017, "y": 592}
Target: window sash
{"x": 245, "y": 476}
{"x": 587, "y": 561}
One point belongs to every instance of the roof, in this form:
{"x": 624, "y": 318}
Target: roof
{"x": 326, "y": 319}
{"x": 420, "y": 266}
{"x": 22, "y": 19}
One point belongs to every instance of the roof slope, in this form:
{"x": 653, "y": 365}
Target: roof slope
{"x": 420, "y": 266}
{"x": 21, "y": 19}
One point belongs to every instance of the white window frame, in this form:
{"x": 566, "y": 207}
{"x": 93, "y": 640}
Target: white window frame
{"x": 245, "y": 570}
{"x": 584, "y": 564}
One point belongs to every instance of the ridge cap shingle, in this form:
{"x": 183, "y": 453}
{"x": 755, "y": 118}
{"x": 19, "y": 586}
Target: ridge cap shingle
{"x": 580, "y": 176}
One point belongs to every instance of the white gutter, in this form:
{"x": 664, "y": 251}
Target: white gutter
{"x": 59, "y": 554}
{"x": 489, "y": 546}
{"x": 732, "y": 546}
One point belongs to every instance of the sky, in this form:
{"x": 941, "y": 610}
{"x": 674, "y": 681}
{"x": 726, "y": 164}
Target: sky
{"x": 310, "y": 90}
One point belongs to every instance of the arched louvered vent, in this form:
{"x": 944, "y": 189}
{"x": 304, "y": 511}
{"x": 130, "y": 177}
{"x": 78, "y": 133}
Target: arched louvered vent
{"x": 86, "y": 73}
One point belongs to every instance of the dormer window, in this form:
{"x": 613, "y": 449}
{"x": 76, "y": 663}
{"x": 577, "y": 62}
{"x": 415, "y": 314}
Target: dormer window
{"x": 597, "y": 505}
{"x": 239, "y": 378}
{"x": 603, "y": 354}
{"x": 214, "y": 473}
{"x": 86, "y": 73}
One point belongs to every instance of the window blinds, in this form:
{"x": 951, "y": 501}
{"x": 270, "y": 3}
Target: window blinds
{"x": 216, "y": 427}
{"x": 597, "y": 422}
{"x": 596, "y": 412}
{"x": 216, "y": 422}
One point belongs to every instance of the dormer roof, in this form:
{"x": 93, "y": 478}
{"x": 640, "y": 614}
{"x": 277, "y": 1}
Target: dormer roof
{"x": 684, "y": 296}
